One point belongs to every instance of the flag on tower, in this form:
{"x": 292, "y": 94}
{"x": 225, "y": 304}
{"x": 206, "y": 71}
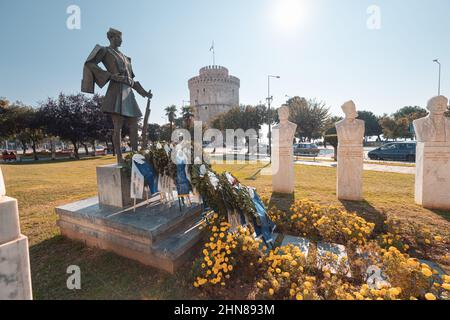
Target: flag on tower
{"x": 213, "y": 52}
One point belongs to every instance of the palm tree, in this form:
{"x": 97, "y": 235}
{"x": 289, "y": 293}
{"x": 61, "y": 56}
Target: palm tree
{"x": 186, "y": 110}
{"x": 171, "y": 113}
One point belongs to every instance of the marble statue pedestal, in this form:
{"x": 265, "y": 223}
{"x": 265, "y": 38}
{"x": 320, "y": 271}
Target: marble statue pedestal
{"x": 432, "y": 188}
{"x": 113, "y": 186}
{"x": 283, "y": 171}
{"x": 160, "y": 235}
{"x": 350, "y": 172}
{"x": 15, "y": 276}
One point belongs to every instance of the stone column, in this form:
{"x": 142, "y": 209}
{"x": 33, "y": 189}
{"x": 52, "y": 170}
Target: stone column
{"x": 15, "y": 276}
{"x": 432, "y": 187}
{"x": 350, "y": 133}
{"x": 283, "y": 175}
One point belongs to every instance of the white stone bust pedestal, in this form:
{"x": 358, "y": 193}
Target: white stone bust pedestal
{"x": 15, "y": 276}
{"x": 283, "y": 176}
{"x": 350, "y": 133}
{"x": 432, "y": 189}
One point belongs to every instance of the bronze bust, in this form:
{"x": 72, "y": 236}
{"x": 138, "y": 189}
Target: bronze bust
{"x": 119, "y": 100}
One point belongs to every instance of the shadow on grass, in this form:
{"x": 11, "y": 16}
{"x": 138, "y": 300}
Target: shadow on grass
{"x": 365, "y": 210}
{"x": 104, "y": 275}
{"x": 255, "y": 175}
{"x": 442, "y": 213}
{"x": 282, "y": 201}
{"x": 49, "y": 161}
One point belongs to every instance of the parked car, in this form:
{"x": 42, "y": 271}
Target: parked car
{"x": 395, "y": 151}
{"x": 11, "y": 156}
{"x": 101, "y": 151}
{"x": 306, "y": 150}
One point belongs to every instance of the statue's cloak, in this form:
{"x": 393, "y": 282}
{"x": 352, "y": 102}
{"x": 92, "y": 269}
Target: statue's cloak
{"x": 119, "y": 98}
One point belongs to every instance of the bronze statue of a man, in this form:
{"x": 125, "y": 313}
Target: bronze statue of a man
{"x": 119, "y": 100}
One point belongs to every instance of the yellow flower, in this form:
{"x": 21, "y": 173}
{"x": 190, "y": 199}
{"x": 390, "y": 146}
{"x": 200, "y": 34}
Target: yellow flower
{"x": 430, "y": 296}
{"x": 299, "y": 296}
{"x": 359, "y": 296}
{"x": 271, "y": 291}
{"x": 446, "y": 286}
{"x": 427, "y": 272}
{"x": 394, "y": 291}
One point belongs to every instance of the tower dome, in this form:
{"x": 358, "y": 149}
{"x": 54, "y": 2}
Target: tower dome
{"x": 213, "y": 92}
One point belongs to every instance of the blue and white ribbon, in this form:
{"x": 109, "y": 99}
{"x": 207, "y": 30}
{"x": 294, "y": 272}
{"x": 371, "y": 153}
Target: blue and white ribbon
{"x": 142, "y": 173}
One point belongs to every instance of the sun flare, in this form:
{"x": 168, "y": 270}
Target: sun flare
{"x": 288, "y": 14}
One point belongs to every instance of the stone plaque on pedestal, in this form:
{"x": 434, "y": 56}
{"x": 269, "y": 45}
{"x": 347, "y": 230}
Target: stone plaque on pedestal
{"x": 15, "y": 275}
{"x": 350, "y": 172}
{"x": 113, "y": 186}
{"x": 433, "y": 156}
{"x": 350, "y": 133}
{"x": 433, "y": 175}
{"x": 283, "y": 175}
{"x": 9, "y": 219}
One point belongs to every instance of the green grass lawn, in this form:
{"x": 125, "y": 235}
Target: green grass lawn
{"x": 41, "y": 187}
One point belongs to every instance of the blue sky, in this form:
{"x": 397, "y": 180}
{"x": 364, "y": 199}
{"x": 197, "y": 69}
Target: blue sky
{"x": 321, "y": 48}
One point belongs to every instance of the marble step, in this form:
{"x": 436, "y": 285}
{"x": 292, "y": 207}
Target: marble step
{"x": 155, "y": 235}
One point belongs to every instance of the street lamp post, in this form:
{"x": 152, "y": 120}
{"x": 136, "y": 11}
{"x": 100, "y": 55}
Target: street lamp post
{"x": 269, "y": 100}
{"x": 439, "y": 83}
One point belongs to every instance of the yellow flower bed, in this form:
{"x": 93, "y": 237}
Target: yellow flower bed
{"x": 284, "y": 276}
{"x": 226, "y": 251}
{"x": 308, "y": 219}
{"x": 417, "y": 280}
{"x": 285, "y": 273}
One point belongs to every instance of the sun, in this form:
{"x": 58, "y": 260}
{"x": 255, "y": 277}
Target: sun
{"x": 288, "y": 14}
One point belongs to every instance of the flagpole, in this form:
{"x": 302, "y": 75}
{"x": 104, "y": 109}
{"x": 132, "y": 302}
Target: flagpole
{"x": 213, "y": 49}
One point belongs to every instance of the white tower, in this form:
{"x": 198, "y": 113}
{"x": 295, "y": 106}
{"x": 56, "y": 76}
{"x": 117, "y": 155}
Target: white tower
{"x": 213, "y": 92}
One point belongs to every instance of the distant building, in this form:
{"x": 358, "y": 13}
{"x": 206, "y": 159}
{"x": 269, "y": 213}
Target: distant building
{"x": 213, "y": 92}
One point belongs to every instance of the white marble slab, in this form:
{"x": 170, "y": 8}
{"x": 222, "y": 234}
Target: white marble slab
{"x": 323, "y": 249}
{"x": 302, "y": 243}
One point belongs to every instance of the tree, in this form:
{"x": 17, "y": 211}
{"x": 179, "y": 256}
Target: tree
{"x": 410, "y": 113}
{"x": 311, "y": 116}
{"x": 4, "y": 104}
{"x": 71, "y": 117}
{"x": 154, "y": 132}
{"x": 330, "y": 134}
{"x": 243, "y": 117}
{"x": 399, "y": 125}
{"x": 373, "y": 127}
{"x": 32, "y": 125}
{"x": 7, "y": 124}
{"x": 185, "y": 111}
{"x": 166, "y": 133}
{"x": 171, "y": 113}
{"x": 23, "y": 123}
{"x": 390, "y": 127}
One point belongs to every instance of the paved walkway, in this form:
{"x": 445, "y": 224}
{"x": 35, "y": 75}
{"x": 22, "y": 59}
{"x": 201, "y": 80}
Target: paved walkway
{"x": 367, "y": 166}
